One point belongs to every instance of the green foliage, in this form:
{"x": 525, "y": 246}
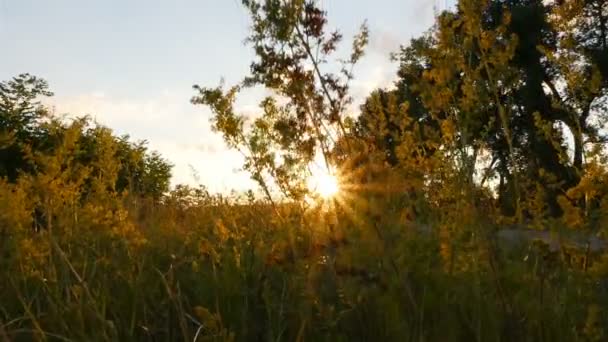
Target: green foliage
{"x": 306, "y": 114}
{"x": 513, "y": 80}
{"x": 31, "y": 137}
{"x": 20, "y": 115}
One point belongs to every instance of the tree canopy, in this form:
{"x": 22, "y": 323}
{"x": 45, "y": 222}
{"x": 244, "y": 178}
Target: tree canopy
{"x": 30, "y": 133}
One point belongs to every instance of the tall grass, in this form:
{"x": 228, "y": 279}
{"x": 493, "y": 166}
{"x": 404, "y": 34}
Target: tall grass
{"x": 207, "y": 268}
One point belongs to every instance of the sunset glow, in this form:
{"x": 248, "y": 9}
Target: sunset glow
{"x": 324, "y": 184}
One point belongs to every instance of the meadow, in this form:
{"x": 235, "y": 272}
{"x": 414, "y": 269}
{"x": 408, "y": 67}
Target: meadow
{"x": 468, "y": 202}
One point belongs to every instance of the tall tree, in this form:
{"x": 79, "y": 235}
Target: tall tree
{"x": 514, "y": 77}
{"x": 20, "y": 114}
{"x": 29, "y": 134}
{"x": 294, "y": 56}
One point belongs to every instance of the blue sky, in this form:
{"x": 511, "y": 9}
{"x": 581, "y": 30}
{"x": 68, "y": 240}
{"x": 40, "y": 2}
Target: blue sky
{"x": 131, "y": 64}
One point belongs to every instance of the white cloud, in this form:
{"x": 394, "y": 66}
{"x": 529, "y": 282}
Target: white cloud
{"x": 172, "y": 126}
{"x": 384, "y": 43}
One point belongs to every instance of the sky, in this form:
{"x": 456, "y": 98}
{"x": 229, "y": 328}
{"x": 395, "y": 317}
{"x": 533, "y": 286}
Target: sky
{"x": 131, "y": 64}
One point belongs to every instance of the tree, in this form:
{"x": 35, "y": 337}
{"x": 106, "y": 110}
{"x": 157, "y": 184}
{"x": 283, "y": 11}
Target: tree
{"x": 513, "y": 77}
{"x": 29, "y": 134}
{"x": 139, "y": 172}
{"x": 387, "y": 114}
{"x": 20, "y": 115}
{"x": 306, "y": 115}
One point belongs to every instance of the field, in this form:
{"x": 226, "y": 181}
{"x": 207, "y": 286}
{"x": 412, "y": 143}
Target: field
{"x": 467, "y": 201}
{"x": 220, "y": 271}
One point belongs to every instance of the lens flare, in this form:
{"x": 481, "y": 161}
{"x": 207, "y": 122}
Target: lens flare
{"x": 324, "y": 184}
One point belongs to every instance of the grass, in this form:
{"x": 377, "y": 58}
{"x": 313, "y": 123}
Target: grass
{"x": 218, "y": 271}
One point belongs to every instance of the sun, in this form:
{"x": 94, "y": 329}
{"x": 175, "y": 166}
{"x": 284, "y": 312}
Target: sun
{"x": 324, "y": 184}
